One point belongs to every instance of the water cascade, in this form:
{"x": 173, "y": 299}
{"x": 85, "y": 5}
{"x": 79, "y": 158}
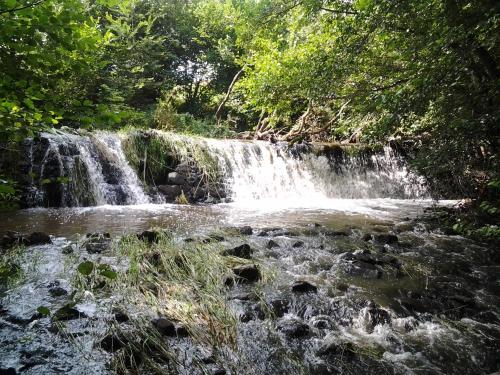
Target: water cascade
{"x": 71, "y": 170}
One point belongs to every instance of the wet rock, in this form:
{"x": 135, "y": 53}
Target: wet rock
{"x": 302, "y": 286}
{"x": 175, "y": 178}
{"x": 386, "y": 238}
{"x": 293, "y": 327}
{"x": 332, "y": 348}
{"x": 164, "y": 326}
{"x": 120, "y": 316}
{"x": 57, "y": 291}
{"x": 96, "y": 243}
{"x": 12, "y": 238}
{"x": 272, "y": 244}
{"x": 367, "y": 237}
{"x": 69, "y": 249}
{"x": 244, "y": 296}
{"x": 8, "y": 371}
{"x": 252, "y": 312}
{"x": 150, "y": 236}
{"x": 245, "y": 230}
{"x": 363, "y": 269}
{"x": 378, "y": 316}
{"x": 170, "y": 192}
{"x": 243, "y": 251}
{"x": 181, "y": 331}
{"x": 279, "y": 307}
{"x": 38, "y": 238}
{"x": 216, "y": 238}
{"x": 67, "y": 312}
{"x": 247, "y": 273}
{"x": 111, "y": 343}
{"x": 298, "y": 244}
{"x": 218, "y": 371}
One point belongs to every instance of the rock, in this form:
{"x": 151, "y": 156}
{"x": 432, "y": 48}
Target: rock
{"x": 57, "y": 291}
{"x": 331, "y": 348}
{"x": 298, "y": 244}
{"x": 272, "y": 244}
{"x": 96, "y": 243}
{"x": 12, "y": 238}
{"x": 170, "y": 191}
{"x": 111, "y": 343}
{"x": 245, "y": 230}
{"x": 367, "y": 237}
{"x": 164, "y": 326}
{"x": 252, "y": 312}
{"x": 38, "y": 238}
{"x": 363, "y": 269}
{"x": 120, "y": 316}
{"x": 67, "y": 312}
{"x": 386, "y": 238}
{"x": 279, "y": 307}
{"x": 8, "y": 371}
{"x": 302, "y": 286}
{"x": 293, "y": 327}
{"x": 322, "y": 322}
{"x": 243, "y": 251}
{"x": 175, "y": 178}
{"x": 150, "y": 236}
{"x": 181, "y": 331}
{"x": 247, "y": 273}
{"x": 378, "y": 316}
{"x": 69, "y": 249}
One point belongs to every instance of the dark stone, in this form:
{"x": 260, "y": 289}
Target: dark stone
{"x": 164, "y": 326}
{"x": 57, "y": 291}
{"x": 170, "y": 191}
{"x": 279, "y": 307}
{"x": 247, "y": 273}
{"x": 12, "y": 238}
{"x": 363, "y": 269}
{"x": 272, "y": 244}
{"x": 293, "y": 327}
{"x": 8, "y": 371}
{"x": 345, "y": 350}
{"x": 67, "y": 312}
{"x": 38, "y": 238}
{"x": 120, "y": 316}
{"x": 304, "y": 287}
{"x": 386, "y": 238}
{"x": 251, "y": 313}
{"x": 181, "y": 331}
{"x": 379, "y": 316}
{"x": 322, "y": 322}
{"x": 96, "y": 243}
{"x": 245, "y": 230}
{"x": 149, "y": 236}
{"x": 367, "y": 237}
{"x": 111, "y": 343}
{"x": 243, "y": 251}
{"x": 188, "y": 240}
{"x": 219, "y": 371}
{"x": 175, "y": 178}
{"x": 69, "y": 249}
{"x": 298, "y": 244}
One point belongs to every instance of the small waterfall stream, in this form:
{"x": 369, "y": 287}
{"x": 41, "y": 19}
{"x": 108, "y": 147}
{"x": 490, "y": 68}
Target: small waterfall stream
{"x": 84, "y": 170}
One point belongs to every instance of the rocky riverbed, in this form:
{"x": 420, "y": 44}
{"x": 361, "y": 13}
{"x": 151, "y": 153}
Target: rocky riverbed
{"x": 338, "y": 296}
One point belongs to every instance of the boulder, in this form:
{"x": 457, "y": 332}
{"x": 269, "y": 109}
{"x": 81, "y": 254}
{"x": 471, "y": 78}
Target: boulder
{"x": 245, "y": 230}
{"x": 164, "y": 326}
{"x": 298, "y": 244}
{"x": 67, "y": 312}
{"x": 150, "y": 236}
{"x": 293, "y": 327}
{"x": 272, "y": 244}
{"x": 170, "y": 192}
{"x": 302, "y": 286}
{"x": 243, "y": 251}
{"x": 38, "y": 238}
{"x": 247, "y": 273}
{"x": 57, "y": 291}
{"x": 96, "y": 243}
{"x": 175, "y": 178}
{"x": 386, "y": 238}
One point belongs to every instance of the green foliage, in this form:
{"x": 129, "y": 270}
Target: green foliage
{"x": 8, "y": 193}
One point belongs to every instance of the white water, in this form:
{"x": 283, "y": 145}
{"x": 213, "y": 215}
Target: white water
{"x": 267, "y": 175}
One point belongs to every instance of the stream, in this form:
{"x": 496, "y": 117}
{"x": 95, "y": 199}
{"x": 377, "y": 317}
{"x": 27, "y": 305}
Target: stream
{"x": 354, "y": 279}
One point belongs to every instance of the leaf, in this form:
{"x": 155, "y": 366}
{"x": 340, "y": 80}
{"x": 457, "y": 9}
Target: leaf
{"x": 44, "y": 311}
{"x": 10, "y": 4}
{"x": 106, "y": 271}
{"x": 86, "y": 268}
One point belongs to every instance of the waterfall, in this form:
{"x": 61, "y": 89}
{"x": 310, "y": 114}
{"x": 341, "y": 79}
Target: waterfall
{"x": 261, "y": 171}
{"x": 68, "y": 170}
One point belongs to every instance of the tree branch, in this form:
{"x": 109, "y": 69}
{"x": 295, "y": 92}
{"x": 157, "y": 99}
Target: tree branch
{"x": 21, "y": 8}
{"x": 228, "y": 93}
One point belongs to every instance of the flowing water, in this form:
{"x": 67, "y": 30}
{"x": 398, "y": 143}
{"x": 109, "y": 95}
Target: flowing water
{"x": 427, "y": 303}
